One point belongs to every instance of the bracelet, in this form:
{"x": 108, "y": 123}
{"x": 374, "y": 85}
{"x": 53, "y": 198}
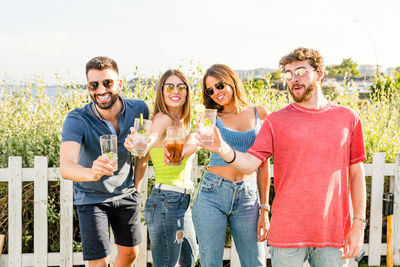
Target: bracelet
{"x": 234, "y": 157}
{"x": 265, "y": 207}
{"x": 360, "y": 219}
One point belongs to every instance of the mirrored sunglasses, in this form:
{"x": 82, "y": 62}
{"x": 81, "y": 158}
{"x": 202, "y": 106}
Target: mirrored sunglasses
{"x": 288, "y": 75}
{"x": 107, "y": 83}
{"x": 169, "y": 87}
{"x": 219, "y": 86}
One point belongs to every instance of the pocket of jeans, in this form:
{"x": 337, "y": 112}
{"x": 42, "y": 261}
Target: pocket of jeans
{"x": 208, "y": 186}
{"x": 287, "y": 252}
{"x": 173, "y": 198}
{"x": 149, "y": 212}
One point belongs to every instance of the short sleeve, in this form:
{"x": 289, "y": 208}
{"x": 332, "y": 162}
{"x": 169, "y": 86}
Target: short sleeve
{"x": 73, "y": 128}
{"x": 357, "y": 148}
{"x": 263, "y": 146}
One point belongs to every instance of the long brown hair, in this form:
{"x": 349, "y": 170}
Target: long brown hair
{"x": 159, "y": 105}
{"x": 228, "y": 76}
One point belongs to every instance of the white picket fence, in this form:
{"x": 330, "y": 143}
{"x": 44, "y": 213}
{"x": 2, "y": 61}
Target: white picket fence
{"x": 41, "y": 175}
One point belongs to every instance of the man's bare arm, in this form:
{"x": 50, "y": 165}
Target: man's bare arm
{"x": 243, "y": 162}
{"x": 355, "y": 238}
{"x": 71, "y": 170}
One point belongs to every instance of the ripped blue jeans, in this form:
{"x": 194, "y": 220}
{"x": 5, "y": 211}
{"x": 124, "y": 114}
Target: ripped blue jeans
{"x": 170, "y": 227}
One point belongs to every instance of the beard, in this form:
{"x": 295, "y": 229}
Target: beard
{"x": 308, "y": 93}
{"x": 107, "y": 105}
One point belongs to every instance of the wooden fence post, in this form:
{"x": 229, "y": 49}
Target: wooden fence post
{"x": 375, "y": 225}
{"x": 15, "y": 212}
{"x": 66, "y": 222}
{"x": 396, "y": 213}
{"x": 142, "y": 258}
{"x": 40, "y": 212}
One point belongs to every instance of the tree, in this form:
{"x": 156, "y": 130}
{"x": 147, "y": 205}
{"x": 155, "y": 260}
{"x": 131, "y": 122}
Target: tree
{"x": 348, "y": 67}
{"x": 276, "y": 75}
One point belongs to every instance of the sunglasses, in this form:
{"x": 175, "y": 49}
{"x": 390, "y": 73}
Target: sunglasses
{"x": 107, "y": 83}
{"x": 169, "y": 87}
{"x": 219, "y": 86}
{"x": 288, "y": 75}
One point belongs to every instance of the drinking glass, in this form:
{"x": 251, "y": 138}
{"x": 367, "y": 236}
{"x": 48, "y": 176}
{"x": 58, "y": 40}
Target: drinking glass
{"x": 142, "y": 128}
{"x": 174, "y": 141}
{"x": 207, "y": 121}
{"x": 109, "y": 145}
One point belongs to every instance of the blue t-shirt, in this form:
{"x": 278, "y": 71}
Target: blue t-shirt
{"x": 84, "y": 127}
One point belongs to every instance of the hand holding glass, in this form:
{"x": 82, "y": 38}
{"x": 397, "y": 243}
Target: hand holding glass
{"x": 142, "y": 131}
{"x": 207, "y": 121}
{"x": 109, "y": 145}
{"x": 174, "y": 141}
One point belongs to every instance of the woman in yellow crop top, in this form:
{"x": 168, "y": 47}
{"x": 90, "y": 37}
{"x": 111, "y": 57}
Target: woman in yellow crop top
{"x": 167, "y": 212}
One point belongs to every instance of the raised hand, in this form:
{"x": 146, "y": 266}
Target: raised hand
{"x": 100, "y": 167}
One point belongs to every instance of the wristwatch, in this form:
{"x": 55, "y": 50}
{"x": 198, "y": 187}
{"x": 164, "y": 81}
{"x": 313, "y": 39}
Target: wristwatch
{"x": 265, "y": 207}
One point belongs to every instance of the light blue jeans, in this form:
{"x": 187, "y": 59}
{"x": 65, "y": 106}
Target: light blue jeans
{"x": 170, "y": 227}
{"x": 317, "y": 257}
{"x": 218, "y": 202}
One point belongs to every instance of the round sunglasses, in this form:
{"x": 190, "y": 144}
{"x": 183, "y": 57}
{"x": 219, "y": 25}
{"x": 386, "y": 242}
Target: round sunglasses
{"x": 219, "y": 86}
{"x": 288, "y": 75}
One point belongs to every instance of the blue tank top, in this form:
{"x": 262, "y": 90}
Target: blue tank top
{"x": 240, "y": 141}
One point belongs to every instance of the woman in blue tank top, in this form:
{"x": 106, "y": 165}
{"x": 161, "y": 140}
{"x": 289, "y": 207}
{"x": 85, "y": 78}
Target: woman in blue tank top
{"x": 226, "y": 196}
{"x": 167, "y": 213}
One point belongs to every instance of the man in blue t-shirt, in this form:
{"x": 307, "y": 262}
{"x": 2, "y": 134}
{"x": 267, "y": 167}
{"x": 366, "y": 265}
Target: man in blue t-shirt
{"x": 104, "y": 197}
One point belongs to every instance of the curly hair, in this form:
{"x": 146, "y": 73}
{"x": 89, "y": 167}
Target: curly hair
{"x": 313, "y": 56}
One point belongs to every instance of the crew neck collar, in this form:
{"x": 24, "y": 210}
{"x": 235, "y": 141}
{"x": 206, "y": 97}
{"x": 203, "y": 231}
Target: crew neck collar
{"x": 309, "y": 110}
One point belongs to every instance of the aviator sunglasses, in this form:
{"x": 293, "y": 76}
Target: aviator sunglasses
{"x": 169, "y": 87}
{"x": 219, "y": 86}
{"x": 288, "y": 75}
{"x": 107, "y": 83}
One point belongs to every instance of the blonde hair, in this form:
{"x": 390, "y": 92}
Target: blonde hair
{"x": 159, "y": 105}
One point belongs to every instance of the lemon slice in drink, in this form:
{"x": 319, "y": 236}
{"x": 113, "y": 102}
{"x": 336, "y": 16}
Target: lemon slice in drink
{"x": 199, "y": 108}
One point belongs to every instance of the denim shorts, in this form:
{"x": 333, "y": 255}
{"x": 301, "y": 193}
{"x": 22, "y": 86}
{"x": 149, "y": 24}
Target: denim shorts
{"x": 95, "y": 219}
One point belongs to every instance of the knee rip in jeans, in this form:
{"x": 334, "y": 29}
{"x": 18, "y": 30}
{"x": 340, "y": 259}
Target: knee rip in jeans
{"x": 179, "y": 237}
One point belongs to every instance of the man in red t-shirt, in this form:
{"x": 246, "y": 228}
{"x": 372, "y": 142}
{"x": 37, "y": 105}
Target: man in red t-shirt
{"x": 318, "y": 151}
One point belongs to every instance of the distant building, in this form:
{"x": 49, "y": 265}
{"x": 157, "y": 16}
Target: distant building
{"x": 256, "y": 73}
{"x": 368, "y": 69}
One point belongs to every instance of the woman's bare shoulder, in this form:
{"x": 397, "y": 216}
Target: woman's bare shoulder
{"x": 262, "y": 112}
{"x": 162, "y": 117}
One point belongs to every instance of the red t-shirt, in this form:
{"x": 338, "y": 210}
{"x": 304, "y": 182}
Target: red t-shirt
{"x": 312, "y": 151}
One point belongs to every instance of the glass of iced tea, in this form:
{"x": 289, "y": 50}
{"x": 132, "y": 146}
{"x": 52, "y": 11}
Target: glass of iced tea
{"x": 207, "y": 121}
{"x": 174, "y": 141}
{"x": 142, "y": 128}
{"x": 109, "y": 145}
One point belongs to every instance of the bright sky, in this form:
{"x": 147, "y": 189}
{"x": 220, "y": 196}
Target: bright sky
{"x": 51, "y": 36}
